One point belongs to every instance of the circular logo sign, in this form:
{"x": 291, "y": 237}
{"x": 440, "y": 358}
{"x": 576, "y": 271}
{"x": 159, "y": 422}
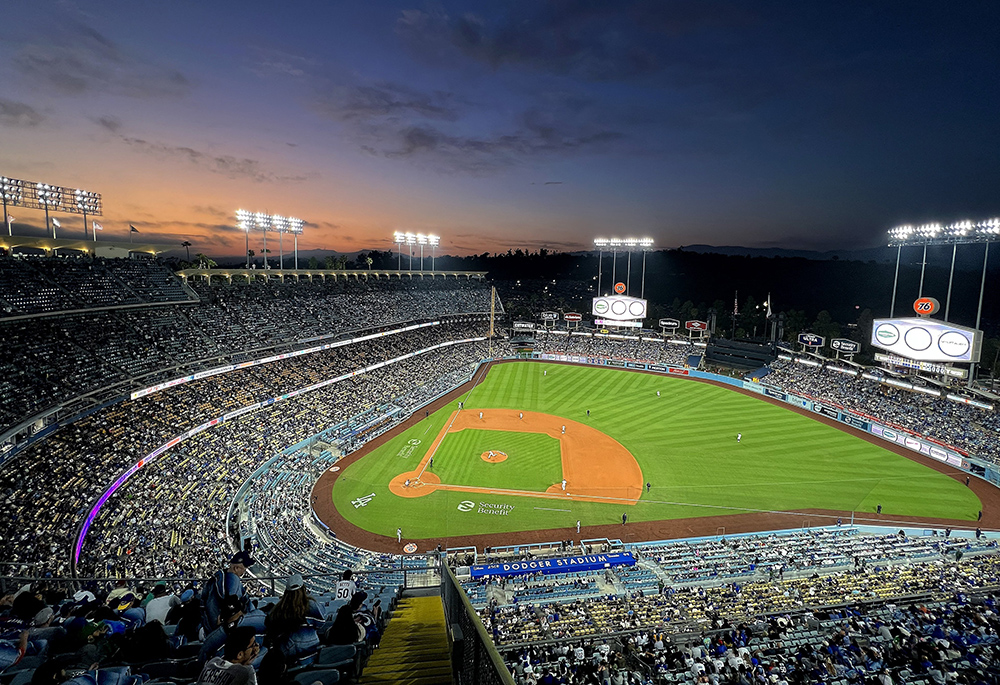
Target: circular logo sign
{"x": 636, "y": 309}
{"x": 917, "y": 339}
{"x": 925, "y": 306}
{"x": 619, "y": 307}
{"x": 619, "y": 288}
{"x": 335, "y": 469}
{"x": 410, "y": 548}
{"x": 466, "y": 505}
{"x": 601, "y": 307}
{"x": 887, "y": 334}
{"x": 954, "y": 344}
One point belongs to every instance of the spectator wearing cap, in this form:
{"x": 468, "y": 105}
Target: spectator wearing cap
{"x": 287, "y": 623}
{"x": 234, "y": 667}
{"x": 160, "y": 605}
{"x": 224, "y": 584}
{"x": 231, "y": 617}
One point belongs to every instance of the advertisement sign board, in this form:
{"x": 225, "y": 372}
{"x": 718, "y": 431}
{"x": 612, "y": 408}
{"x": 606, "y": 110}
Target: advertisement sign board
{"x": 557, "y": 565}
{"x": 623, "y": 324}
{"x": 927, "y": 340}
{"x": 846, "y": 346}
{"x": 573, "y": 316}
{"x": 550, "y": 316}
{"x": 524, "y": 326}
{"x": 619, "y": 307}
{"x": 811, "y": 340}
{"x": 670, "y": 323}
{"x": 941, "y": 369}
{"x": 696, "y": 325}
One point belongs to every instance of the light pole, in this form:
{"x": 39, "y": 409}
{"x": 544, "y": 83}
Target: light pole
{"x": 958, "y": 233}
{"x": 12, "y": 192}
{"x": 400, "y": 240}
{"x": 434, "y": 242}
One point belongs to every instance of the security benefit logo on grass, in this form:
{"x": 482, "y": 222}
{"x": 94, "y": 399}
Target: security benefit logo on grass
{"x": 492, "y": 508}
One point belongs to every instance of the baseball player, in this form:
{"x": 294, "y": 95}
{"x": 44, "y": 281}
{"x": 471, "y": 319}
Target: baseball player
{"x": 399, "y": 535}
{"x": 564, "y": 484}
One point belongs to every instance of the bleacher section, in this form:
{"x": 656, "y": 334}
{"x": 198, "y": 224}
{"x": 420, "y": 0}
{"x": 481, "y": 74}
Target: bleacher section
{"x": 740, "y": 354}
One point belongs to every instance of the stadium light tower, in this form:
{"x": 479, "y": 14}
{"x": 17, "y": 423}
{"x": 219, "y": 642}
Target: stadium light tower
{"x": 49, "y": 197}
{"x": 628, "y": 245}
{"x": 87, "y": 203}
{"x": 959, "y": 233}
{"x": 244, "y": 221}
{"x": 12, "y": 192}
{"x": 400, "y": 240}
{"x": 295, "y": 228}
{"x": 280, "y": 225}
{"x": 434, "y": 242}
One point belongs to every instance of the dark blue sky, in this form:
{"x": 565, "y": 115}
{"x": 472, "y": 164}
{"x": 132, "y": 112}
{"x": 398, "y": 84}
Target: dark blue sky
{"x": 515, "y": 124}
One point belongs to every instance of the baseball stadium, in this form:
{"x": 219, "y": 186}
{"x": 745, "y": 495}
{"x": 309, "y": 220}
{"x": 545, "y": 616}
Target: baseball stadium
{"x": 481, "y": 494}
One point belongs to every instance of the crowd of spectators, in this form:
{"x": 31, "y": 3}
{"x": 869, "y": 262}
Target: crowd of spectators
{"x": 632, "y": 348}
{"x": 926, "y": 642}
{"x": 49, "y": 487}
{"x": 52, "y": 359}
{"x": 213, "y": 631}
{"x": 41, "y": 285}
{"x": 964, "y": 426}
{"x": 695, "y": 585}
{"x": 170, "y": 519}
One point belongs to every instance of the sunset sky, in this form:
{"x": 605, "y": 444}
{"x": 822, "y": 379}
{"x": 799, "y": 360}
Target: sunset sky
{"x": 515, "y": 124}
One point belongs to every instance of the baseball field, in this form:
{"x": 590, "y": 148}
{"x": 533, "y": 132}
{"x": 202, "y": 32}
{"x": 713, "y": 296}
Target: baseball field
{"x": 541, "y": 446}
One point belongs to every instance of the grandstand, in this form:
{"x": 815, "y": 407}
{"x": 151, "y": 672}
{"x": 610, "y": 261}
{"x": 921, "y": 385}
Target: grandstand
{"x": 154, "y": 425}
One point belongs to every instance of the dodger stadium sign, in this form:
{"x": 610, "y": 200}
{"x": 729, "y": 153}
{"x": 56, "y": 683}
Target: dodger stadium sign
{"x": 558, "y": 565}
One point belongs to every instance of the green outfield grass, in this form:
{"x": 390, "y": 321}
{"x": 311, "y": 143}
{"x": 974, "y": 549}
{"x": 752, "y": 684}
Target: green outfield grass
{"x": 684, "y": 442}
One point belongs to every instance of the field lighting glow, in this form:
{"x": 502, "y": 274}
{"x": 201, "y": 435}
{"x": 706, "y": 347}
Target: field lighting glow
{"x": 401, "y": 238}
{"x": 937, "y": 234}
{"x": 623, "y": 243}
{"x": 275, "y": 223}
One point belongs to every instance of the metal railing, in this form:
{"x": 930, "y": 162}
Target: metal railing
{"x": 475, "y": 659}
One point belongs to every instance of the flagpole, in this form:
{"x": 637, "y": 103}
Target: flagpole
{"x": 84, "y": 223}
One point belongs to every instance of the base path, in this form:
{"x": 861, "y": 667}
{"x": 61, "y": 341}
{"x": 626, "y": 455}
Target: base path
{"x": 597, "y": 468}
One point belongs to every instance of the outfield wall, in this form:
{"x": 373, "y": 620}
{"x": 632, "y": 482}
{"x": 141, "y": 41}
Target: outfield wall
{"x": 898, "y": 436}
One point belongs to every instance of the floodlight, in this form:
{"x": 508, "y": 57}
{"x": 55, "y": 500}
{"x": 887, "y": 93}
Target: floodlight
{"x": 411, "y": 238}
{"x": 398, "y": 238}
{"x": 433, "y": 240}
{"x": 959, "y": 232}
{"x": 421, "y": 239}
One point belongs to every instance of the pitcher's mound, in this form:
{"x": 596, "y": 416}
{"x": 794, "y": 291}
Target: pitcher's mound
{"x": 493, "y": 456}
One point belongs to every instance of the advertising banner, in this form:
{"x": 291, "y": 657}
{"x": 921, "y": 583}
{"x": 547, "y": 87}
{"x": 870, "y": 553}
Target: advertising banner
{"x": 557, "y": 565}
{"x": 619, "y": 307}
{"x": 844, "y": 345}
{"x": 941, "y": 369}
{"x": 826, "y": 411}
{"x": 916, "y": 444}
{"x": 524, "y": 326}
{"x": 927, "y": 340}
{"x": 623, "y": 324}
{"x": 776, "y": 394}
{"x": 854, "y": 421}
{"x": 550, "y": 316}
{"x": 573, "y": 316}
{"x": 696, "y": 325}
{"x": 670, "y": 323}
{"x": 677, "y": 371}
{"x": 811, "y": 340}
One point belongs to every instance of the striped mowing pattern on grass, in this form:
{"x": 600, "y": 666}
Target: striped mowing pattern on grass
{"x": 684, "y": 441}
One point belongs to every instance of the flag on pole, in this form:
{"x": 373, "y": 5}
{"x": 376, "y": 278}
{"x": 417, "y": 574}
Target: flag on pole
{"x": 97, "y": 226}
{"x": 10, "y": 219}
{"x": 769, "y": 314}
{"x": 132, "y": 229}
{"x": 55, "y": 222}
{"x": 736, "y": 303}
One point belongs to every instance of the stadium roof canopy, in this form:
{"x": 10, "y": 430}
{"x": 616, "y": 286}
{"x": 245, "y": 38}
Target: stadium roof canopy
{"x": 92, "y": 247}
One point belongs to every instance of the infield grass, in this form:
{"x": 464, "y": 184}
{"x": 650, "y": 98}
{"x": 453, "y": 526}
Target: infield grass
{"x": 684, "y": 441}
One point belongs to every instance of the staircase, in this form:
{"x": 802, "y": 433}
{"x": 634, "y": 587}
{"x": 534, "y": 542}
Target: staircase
{"x": 414, "y": 649}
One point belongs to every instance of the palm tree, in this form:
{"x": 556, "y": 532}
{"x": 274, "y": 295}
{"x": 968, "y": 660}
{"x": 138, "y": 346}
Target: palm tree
{"x": 368, "y": 261}
{"x": 187, "y": 248}
{"x": 205, "y": 261}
